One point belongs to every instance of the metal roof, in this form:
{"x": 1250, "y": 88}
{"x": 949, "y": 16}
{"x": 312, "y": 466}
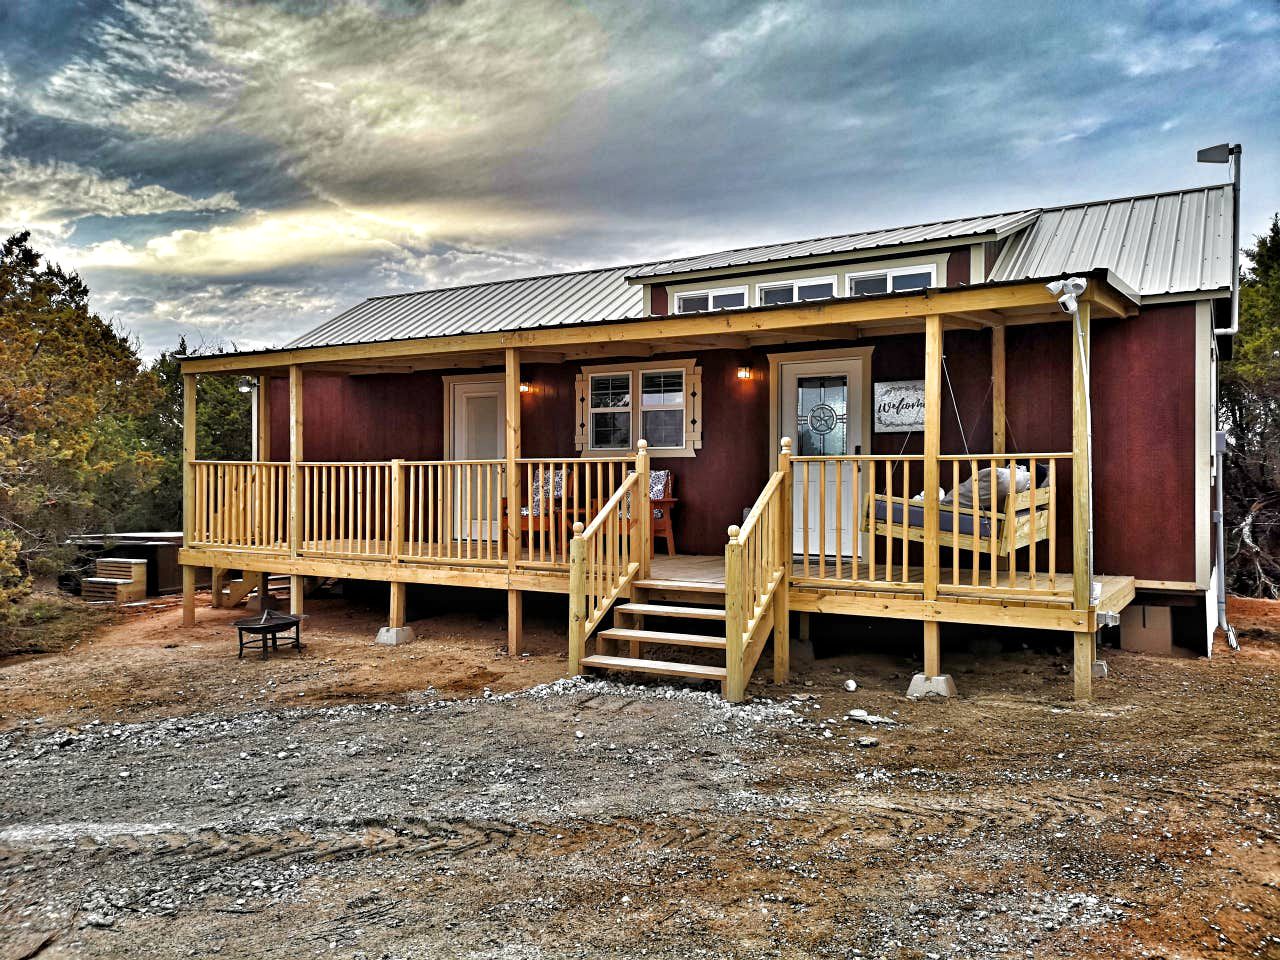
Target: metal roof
{"x": 551, "y": 301}
{"x": 1174, "y": 242}
{"x": 1000, "y": 224}
{"x": 1162, "y": 243}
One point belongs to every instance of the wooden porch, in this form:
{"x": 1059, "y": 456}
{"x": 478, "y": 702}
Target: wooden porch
{"x": 886, "y": 545}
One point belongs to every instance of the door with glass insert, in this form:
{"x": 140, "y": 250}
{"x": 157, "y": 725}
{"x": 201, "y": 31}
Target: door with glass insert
{"x": 822, "y": 413}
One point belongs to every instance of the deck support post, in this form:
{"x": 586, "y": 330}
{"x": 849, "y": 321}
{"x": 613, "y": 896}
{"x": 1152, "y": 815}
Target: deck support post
{"x": 577, "y": 599}
{"x": 515, "y": 622}
{"x": 395, "y": 632}
{"x": 932, "y": 680}
{"x": 297, "y": 584}
{"x": 782, "y": 593}
{"x": 735, "y": 619}
{"x": 188, "y": 494}
{"x": 1081, "y": 503}
{"x": 188, "y": 595}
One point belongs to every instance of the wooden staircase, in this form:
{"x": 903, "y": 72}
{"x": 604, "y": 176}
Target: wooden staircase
{"x": 701, "y": 603}
{"x": 116, "y": 580}
{"x": 610, "y": 570}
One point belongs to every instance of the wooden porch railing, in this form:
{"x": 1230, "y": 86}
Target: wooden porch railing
{"x": 345, "y": 509}
{"x": 241, "y": 504}
{"x": 452, "y": 512}
{"x": 558, "y": 493}
{"x": 756, "y": 562}
{"x": 863, "y": 524}
{"x": 605, "y": 556}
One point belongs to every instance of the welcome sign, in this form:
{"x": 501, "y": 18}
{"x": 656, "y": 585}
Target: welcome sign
{"x": 899, "y": 406}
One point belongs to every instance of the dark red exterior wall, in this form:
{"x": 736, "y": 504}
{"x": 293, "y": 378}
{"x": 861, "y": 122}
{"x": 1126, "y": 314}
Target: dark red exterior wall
{"x": 363, "y": 418}
{"x": 1144, "y": 427}
{"x": 958, "y": 266}
{"x": 1143, "y": 404}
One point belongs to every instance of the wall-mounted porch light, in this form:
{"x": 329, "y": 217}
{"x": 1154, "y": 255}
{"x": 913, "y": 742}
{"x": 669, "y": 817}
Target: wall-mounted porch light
{"x": 526, "y": 386}
{"x": 744, "y": 372}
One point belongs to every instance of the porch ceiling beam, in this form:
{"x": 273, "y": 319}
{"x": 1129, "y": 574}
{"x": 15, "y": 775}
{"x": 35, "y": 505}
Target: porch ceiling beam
{"x": 1032, "y": 295}
{"x": 983, "y": 318}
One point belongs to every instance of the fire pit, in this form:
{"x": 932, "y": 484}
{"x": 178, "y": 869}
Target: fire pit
{"x": 267, "y": 628}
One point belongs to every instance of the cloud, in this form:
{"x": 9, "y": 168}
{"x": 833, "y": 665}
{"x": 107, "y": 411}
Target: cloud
{"x": 261, "y": 242}
{"x": 49, "y": 197}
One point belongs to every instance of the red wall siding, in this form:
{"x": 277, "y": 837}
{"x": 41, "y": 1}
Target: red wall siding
{"x": 377, "y": 417}
{"x": 958, "y": 266}
{"x": 1144, "y": 427}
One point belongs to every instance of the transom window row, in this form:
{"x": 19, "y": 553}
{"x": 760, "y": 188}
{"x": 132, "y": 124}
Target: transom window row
{"x": 896, "y": 279}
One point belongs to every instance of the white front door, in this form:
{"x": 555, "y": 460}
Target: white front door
{"x": 821, "y": 410}
{"x": 477, "y": 433}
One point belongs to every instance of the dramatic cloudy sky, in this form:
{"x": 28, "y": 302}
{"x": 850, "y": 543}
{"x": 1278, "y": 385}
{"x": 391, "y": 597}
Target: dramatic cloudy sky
{"x": 237, "y": 170}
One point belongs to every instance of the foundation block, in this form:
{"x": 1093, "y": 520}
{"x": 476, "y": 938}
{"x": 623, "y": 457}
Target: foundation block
{"x": 924, "y": 686}
{"x": 394, "y": 636}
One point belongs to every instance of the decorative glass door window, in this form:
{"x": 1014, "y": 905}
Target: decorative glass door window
{"x": 662, "y": 408}
{"x": 610, "y": 411}
{"x": 704, "y": 300}
{"x": 822, "y": 405}
{"x": 819, "y": 288}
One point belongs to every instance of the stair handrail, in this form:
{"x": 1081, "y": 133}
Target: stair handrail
{"x": 756, "y": 559}
{"x": 602, "y": 562}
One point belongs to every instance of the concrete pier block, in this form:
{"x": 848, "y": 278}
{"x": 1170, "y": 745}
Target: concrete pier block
{"x": 394, "y": 636}
{"x": 925, "y": 686}
{"x": 1099, "y": 669}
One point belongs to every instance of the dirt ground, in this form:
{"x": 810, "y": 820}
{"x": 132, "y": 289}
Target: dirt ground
{"x": 160, "y": 798}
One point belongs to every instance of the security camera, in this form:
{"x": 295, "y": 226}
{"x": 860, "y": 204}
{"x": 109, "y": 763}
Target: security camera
{"x": 1068, "y": 291}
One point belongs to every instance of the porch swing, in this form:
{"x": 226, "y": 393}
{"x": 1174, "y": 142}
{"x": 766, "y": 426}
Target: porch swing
{"x": 997, "y": 509}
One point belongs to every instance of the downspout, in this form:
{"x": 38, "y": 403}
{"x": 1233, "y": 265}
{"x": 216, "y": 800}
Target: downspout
{"x": 1220, "y": 437}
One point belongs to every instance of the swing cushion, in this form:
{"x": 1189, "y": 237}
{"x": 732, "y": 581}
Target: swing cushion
{"x": 915, "y": 518}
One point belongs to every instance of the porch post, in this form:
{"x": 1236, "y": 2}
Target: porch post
{"x": 295, "y": 488}
{"x": 932, "y": 680}
{"x": 1081, "y": 506}
{"x": 997, "y": 390}
{"x": 577, "y": 599}
{"x": 188, "y": 494}
{"x": 263, "y": 426}
{"x": 782, "y": 593}
{"x": 515, "y": 598}
{"x": 644, "y": 522}
{"x": 735, "y": 619}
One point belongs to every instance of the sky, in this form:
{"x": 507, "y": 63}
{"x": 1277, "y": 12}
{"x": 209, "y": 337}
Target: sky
{"x": 236, "y": 172}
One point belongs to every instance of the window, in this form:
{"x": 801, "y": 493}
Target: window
{"x": 817, "y": 288}
{"x": 898, "y": 279}
{"x": 703, "y": 300}
{"x": 660, "y": 402}
{"x": 662, "y": 408}
{"x": 611, "y": 411}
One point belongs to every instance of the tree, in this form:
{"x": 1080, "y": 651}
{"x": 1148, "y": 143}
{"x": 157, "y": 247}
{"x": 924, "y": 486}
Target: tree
{"x": 1250, "y": 412}
{"x": 72, "y": 392}
{"x": 223, "y": 432}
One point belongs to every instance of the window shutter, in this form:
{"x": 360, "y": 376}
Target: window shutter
{"x": 580, "y": 430}
{"x": 694, "y": 412}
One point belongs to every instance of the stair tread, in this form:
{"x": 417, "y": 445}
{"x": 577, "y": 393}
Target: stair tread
{"x": 663, "y": 636}
{"x": 104, "y": 580}
{"x": 687, "y": 586}
{"x": 666, "y": 667}
{"x": 672, "y": 610}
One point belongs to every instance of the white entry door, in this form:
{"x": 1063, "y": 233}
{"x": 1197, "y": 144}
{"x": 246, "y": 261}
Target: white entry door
{"x": 476, "y": 433}
{"x": 821, "y": 410}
